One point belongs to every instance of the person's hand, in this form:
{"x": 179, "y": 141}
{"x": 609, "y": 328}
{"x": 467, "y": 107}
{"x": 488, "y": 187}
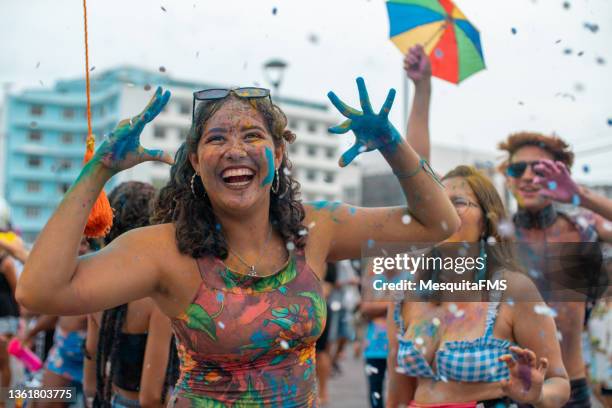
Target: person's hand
{"x": 122, "y": 150}
{"x": 11, "y": 243}
{"x": 372, "y": 131}
{"x": 526, "y": 377}
{"x": 417, "y": 64}
{"x": 556, "y": 181}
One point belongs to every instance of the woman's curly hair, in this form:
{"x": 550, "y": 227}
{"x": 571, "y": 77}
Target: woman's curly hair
{"x": 131, "y": 202}
{"x": 197, "y": 231}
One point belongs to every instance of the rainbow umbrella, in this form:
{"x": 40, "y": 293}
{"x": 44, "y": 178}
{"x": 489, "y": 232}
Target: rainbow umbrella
{"x": 450, "y": 40}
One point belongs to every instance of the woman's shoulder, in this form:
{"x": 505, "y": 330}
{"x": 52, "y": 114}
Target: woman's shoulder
{"x": 519, "y": 286}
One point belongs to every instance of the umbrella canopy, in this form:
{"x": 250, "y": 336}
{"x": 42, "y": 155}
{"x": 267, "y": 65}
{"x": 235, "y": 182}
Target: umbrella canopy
{"x": 450, "y": 40}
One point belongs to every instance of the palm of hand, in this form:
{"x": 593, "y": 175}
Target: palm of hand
{"x": 525, "y": 383}
{"x": 121, "y": 149}
{"x": 556, "y": 181}
{"x": 372, "y": 131}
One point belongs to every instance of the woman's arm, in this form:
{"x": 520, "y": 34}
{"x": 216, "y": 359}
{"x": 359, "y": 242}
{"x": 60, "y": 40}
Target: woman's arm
{"x": 536, "y": 334}
{"x": 91, "y": 351}
{"x": 16, "y": 248}
{"x": 432, "y": 216}
{"x": 418, "y": 69}
{"x": 7, "y": 267}
{"x": 401, "y": 387}
{"x": 155, "y": 360}
{"x": 54, "y": 280}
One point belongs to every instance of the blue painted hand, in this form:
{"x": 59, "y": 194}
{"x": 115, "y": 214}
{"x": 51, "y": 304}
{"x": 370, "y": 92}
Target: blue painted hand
{"x": 372, "y": 131}
{"x": 121, "y": 149}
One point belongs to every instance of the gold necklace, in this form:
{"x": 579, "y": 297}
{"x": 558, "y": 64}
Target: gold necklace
{"x": 252, "y": 271}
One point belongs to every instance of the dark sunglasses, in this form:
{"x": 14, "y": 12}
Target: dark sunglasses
{"x": 218, "y": 93}
{"x": 517, "y": 169}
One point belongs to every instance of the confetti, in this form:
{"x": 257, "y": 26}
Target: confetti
{"x": 545, "y": 310}
{"x": 607, "y": 225}
{"x": 558, "y": 41}
{"x": 510, "y": 302}
{"x": 600, "y": 60}
{"x": 286, "y": 171}
{"x": 311, "y": 225}
{"x": 284, "y": 344}
{"x": 491, "y": 240}
{"x": 163, "y": 9}
{"x": 376, "y": 395}
{"x": 313, "y": 38}
{"x": 439, "y": 53}
{"x": 580, "y": 54}
{"x": 370, "y": 369}
{"x": 586, "y": 168}
{"x": 610, "y": 122}
{"x": 443, "y": 378}
{"x": 197, "y": 54}
{"x": 303, "y": 232}
{"x": 567, "y": 51}
{"x": 406, "y": 219}
{"x": 92, "y": 68}
{"x": 41, "y": 82}
{"x": 552, "y": 185}
{"x": 221, "y": 325}
{"x": 419, "y": 341}
{"x": 362, "y": 149}
{"x": 444, "y": 225}
{"x": 371, "y": 243}
{"x": 290, "y": 246}
{"x": 147, "y": 87}
{"x": 162, "y": 69}
{"x": 513, "y": 30}
{"x": 274, "y": 11}
{"x": 521, "y": 103}
{"x": 335, "y": 306}
{"x": 592, "y": 27}
{"x": 435, "y": 321}
{"x": 453, "y": 308}
{"x": 559, "y": 335}
{"x": 37, "y": 64}
{"x": 566, "y": 5}
{"x": 576, "y": 200}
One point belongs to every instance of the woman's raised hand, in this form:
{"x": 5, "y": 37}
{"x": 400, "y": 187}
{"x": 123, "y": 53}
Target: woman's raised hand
{"x": 527, "y": 374}
{"x": 121, "y": 149}
{"x": 372, "y": 131}
{"x": 417, "y": 64}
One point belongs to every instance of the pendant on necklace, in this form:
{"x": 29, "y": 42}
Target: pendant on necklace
{"x": 252, "y": 271}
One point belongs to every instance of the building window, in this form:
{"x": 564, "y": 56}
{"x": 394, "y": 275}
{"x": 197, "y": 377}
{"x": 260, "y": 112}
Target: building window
{"x": 36, "y": 110}
{"x": 159, "y": 132}
{"x": 32, "y": 212}
{"x": 33, "y": 186}
{"x": 311, "y": 175}
{"x": 68, "y": 113}
{"x": 34, "y": 161}
{"x": 184, "y": 108}
{"x": 293, "y": 149}
{"x": 329, "y": 177}
{"x": 67, "y": 138}
{"x": 34, "y": 136}
{"x": 312, "y": 127}
{"x": 102, "y": 110}
{"x": 312, "y": 150}
{"x": 62, "y": 188}
{"x": 330, "y": 152}
{"x": 64, "y": 165}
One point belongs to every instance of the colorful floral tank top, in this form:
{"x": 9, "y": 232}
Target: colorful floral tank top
{"x": 250, "y": 341}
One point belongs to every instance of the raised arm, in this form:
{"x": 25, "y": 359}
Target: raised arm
{"x": 418, "y": 69}
{"x": 432, "y": 217}
{"x": 54, "y": 280}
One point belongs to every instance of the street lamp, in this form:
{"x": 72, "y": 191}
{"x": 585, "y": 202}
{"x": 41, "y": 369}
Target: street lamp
{"x": 274, "y": 71}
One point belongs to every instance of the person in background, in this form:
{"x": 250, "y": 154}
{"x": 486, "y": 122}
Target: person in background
{"x": 537, "y": 170}
{"x": 134, "y": 339}
{"x": 323, "y": 355}
{"x": 343, "y": 301}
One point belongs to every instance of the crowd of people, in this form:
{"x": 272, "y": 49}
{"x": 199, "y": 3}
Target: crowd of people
{"x": 225, "y": 289}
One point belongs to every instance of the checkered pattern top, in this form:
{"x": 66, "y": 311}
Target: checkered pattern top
{"x": 469, "y": 361}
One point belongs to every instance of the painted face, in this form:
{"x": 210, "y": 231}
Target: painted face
{"x": 236, "y": 157}
{"x": 472, "y": 218}
{"x": 523, "y": 187}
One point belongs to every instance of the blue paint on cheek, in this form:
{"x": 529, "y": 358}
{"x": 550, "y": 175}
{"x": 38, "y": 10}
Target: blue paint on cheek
{"x": 270, "y": 175}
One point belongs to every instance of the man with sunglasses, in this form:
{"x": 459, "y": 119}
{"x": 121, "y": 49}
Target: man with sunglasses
{"x": 537, "y": 173}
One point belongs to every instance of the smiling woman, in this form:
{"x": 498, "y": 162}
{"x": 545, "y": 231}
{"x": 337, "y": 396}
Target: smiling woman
{"x": 235, "y": 259}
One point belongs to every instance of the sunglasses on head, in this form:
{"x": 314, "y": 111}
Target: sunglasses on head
{"x": 219, "y": 93}
{"x": 517, "y": 169}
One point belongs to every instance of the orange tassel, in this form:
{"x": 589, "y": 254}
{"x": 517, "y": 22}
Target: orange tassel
{"x": 100, "y": 218}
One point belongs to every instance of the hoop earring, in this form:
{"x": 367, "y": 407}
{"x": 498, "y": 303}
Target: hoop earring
{"x": 277, "y": 179}
{"x": 192, "y": 183}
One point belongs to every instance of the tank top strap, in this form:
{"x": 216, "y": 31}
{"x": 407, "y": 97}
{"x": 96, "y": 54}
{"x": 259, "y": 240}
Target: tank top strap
{"x": 491, "y": 318}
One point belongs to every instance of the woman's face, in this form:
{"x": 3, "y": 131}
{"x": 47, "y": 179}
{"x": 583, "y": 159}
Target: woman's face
{"x": 472, "y": 218}
{"x": 236, "y": 157}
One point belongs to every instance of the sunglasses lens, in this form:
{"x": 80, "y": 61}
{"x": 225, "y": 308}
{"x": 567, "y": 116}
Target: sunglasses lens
{"x": 211, "y": 94}
{"x": 516, "y": 169}
{"x": 252, "y": 92}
